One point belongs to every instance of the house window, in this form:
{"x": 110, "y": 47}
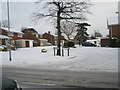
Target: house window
{"x": 34, "y": 41}
{"x": 19, "y": 35}
{"x": 36, "y": 35}
{"x": 3, "y": 41}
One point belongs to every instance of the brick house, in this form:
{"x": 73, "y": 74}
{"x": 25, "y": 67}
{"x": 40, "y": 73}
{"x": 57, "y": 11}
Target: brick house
{"x": 4, "y": 40}
{"x": 18, "y": 38}
{"x": 14, "y": 34}
{"x": 52, "y": 38}
{"x": 32, "y": 34}
{"x": 113, "y": 27}
{"x": 49, "y": 37}
{"x": 114, "y": 32}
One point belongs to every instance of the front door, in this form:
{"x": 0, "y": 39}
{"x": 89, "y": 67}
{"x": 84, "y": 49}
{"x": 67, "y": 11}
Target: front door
{"x": 27, "y": 43}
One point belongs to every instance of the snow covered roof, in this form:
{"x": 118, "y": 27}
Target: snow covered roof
{"x": 112, "y": 21}
{"x": 3, "y": 36}
{"x": 11, "y": 30}
{"x": 43, "y": 39}
{"x": 24, "y": 40}
{"x": 93, "y": 40}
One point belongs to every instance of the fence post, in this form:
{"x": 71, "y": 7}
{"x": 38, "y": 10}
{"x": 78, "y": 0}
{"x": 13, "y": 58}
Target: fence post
{"x": 54, "y": 52}
{"x": 62, "y": 52}
{"x": 68, "y": 52}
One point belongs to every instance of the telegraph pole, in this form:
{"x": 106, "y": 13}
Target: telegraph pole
{"x": 9, "y": 30}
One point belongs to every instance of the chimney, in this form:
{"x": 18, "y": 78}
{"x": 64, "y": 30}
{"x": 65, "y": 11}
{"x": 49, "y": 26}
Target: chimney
{"x": 48, "y": 32}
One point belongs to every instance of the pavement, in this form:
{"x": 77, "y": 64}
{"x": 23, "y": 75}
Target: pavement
{"x": 49, "y": 79}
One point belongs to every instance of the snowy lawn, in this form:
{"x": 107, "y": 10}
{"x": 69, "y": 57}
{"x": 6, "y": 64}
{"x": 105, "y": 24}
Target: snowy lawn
{"x": 80, "y": 59}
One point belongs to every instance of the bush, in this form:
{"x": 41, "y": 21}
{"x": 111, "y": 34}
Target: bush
{"x": 113, "y": 42}
{"x": 118, "y": 43}
{"x": 69, "y": 44}
{"x": 5, "y": 49}
{"x": 43, "y": 50}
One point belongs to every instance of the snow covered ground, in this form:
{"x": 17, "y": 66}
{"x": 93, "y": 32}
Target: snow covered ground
{"x": 80, "y": 59}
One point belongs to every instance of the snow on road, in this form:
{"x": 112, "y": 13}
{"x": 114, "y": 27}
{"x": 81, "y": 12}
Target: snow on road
{"x": 80, "y": 59}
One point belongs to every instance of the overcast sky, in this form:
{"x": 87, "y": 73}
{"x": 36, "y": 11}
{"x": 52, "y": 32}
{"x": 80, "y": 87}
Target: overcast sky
{"x": 20, "y": 16}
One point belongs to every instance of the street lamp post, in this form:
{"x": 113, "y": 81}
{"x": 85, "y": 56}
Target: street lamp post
{"x": 9, "y": 30}
{"x": 118, "y": 24}
{"x": 119, "y": 18}
{"x": 118, "y": 42}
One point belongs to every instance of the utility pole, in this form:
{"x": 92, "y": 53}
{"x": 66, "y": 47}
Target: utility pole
{"x": 9, "y": 30}
{"x": 119, "y": 19}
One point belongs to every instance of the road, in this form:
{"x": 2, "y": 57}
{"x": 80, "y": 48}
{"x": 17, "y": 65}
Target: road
{"x": 40, "y": 78}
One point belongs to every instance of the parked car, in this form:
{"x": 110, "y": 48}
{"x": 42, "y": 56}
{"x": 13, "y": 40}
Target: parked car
{"x": 3, "y": 48}
{"x": 9, "y": 84}
{"x": 88, "y": 44}
{"x": 6, "y": 47}
{"x": 12, "y": 47}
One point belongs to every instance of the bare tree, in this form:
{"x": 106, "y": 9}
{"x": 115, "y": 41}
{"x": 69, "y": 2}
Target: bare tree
{"x": 4, "y": 23}
{"x": 68, "y": 28}
{"x": 62, "y": 10}
{"x": 97, "y": 33}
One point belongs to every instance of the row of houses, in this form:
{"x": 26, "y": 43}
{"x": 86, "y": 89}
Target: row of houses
{"x": 28, "y": 37}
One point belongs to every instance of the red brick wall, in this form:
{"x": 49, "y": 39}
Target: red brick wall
{"x": 49, "y": 37}
{"x": 3, "y": 32}
{"x": 15, "y": 36}
{"x": 28, "y": 35}
{"x": 114, "y": 31}
{"x": 105, "y": 42}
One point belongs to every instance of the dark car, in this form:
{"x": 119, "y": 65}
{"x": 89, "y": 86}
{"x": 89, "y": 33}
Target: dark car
{"x": 88, "y": 44}
{"x": 9, "y": 84}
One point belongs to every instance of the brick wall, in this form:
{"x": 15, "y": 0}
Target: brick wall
{"x": 105, "y": 42}
{"x": 28, "y": 35}
{"x": 114, "y": 31}
{"x": 49, "y": 37}
{"x": 3, "y": 32}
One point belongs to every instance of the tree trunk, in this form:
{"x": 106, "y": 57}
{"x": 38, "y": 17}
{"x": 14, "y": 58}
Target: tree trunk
{"x": 59, "y": 34}
{"x": 68, "y": 38}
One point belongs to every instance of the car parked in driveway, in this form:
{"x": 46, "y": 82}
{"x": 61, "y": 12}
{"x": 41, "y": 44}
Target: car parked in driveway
{"x": 9, "y": 84}
{"x": 88, "y": 44}
{"x": 6, "y": 47}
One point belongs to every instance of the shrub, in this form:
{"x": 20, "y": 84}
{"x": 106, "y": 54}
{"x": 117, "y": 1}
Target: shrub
{"x": 118, "y": 43}
{"x": 113, "y": 42}
{"x": 43, "y": 50}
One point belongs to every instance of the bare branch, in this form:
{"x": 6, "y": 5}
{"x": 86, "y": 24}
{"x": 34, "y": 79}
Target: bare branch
{"x": 80, "y": 18}
{"x": 69, "y": 10}
{"x": 68, "y": 28}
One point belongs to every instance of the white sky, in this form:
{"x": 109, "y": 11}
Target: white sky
{"x": 20, "y": 15}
